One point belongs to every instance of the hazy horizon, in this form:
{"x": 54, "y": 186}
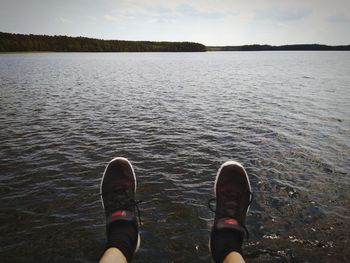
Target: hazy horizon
{"x": 225, "y": 23}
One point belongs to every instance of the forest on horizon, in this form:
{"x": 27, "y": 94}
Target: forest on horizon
{"x": 30, "y": 43}
{"x": 26, "y": 43}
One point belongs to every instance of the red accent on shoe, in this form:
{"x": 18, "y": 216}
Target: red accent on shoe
{"x": 231, "y": 221}
{"x": 119, "y": 213}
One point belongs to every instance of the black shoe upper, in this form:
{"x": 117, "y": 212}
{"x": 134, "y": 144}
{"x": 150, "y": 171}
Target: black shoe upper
{"x": 118, "y": 188}
{"x": 233, "y": 197}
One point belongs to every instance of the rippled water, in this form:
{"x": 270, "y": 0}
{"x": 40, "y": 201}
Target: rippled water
{"x": 177, "y": 117}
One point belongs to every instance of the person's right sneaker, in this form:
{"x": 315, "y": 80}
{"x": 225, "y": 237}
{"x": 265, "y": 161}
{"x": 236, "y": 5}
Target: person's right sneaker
{"x": 117, "y": 190}
{"x": 233, "y": 197}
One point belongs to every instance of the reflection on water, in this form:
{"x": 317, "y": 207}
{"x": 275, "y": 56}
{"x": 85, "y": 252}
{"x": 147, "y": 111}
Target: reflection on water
{"x": 177, "y": 117}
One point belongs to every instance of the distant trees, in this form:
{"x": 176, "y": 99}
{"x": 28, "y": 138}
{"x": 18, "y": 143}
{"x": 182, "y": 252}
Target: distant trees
{"x": 20, "y": 42}
{"x": 276, "y": 48}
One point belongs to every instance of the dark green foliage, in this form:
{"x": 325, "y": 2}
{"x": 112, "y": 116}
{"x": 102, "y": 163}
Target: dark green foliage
{"x": 275, "y": 48}
{"x": 19, "y": 42}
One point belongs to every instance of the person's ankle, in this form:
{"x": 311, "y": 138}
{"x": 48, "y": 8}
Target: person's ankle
{"x": 122, "y": 235}
{"x": 235, "y": 257}
{"x": 225, "y": 241}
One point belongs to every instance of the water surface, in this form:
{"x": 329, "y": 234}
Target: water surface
{"x": 176, "y": 116}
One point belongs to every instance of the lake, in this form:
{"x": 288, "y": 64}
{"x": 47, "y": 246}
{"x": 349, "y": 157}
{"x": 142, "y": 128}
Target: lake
{"x": 176, "y": 116}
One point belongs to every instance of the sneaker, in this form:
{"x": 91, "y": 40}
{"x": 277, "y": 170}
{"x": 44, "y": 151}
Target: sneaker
{"x": 233, "y": 197}
{"x": 117, "y": 190}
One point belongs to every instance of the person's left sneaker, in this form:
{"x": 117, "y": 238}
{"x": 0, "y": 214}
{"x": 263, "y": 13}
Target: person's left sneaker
{"x": 117, "y": 190}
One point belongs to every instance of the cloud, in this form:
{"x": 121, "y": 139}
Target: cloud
{"x": 159, "y": 13}
{"x": 64, "y": 20}
{"x": 339, "y": 18}
{"x": 186, "y": 10}
{"x": 111, "y": 18}
{"x": 282, "y": 14}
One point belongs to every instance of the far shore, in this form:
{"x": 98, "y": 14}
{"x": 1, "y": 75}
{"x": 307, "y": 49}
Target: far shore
{"x": 24, "y": 43}
{"x": 296, "y": 47}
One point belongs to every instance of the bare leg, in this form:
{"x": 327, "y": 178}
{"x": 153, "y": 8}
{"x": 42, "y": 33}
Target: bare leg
{"x": 234, "y": 257}
{"x": 113, "y": 255}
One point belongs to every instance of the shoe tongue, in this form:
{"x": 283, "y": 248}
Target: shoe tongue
{"x": 120, "y": 215}
{"x": 228, "y": 223}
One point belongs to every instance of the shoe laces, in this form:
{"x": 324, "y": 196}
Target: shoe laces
{"x": 119, "y": 199}
{"x": 231, "y": 200}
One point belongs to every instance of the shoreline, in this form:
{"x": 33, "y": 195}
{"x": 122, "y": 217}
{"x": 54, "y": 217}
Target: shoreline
{"x": 29, "y": 43}
{"x": 137, "y": 52}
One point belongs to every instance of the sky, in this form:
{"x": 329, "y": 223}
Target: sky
{"x": 210, "y": 22}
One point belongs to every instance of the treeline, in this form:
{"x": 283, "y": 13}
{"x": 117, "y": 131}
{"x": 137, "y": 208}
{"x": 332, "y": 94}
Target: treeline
{"x": 300, "y": 47}
{"x": 20, "y": 42}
